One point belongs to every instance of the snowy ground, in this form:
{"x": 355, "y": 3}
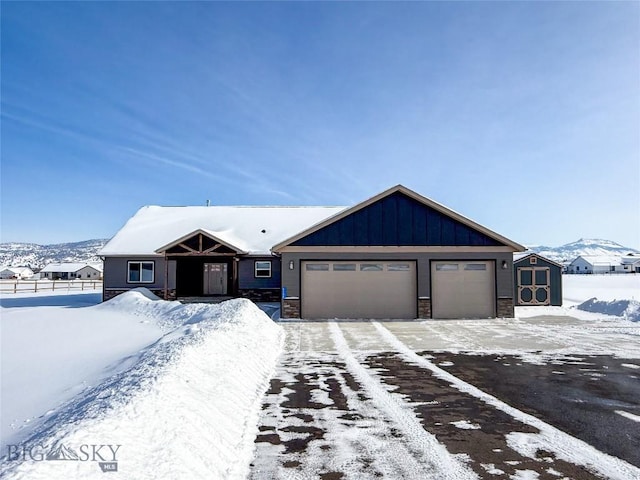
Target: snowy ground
{"x": 616, "y": 295}
{"x": 176, "y": 391}
{"x": 579, "y": 288}
{"x": 168, "y": 390}
{"x": 550, "y": 394}
{"x": 70, "y": 342}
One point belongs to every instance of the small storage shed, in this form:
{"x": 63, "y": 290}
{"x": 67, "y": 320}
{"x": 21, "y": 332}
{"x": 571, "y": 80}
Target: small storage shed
{"x": 537, "y": 280}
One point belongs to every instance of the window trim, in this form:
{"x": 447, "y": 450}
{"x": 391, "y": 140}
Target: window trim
{"x": 256, "y": 269}
{"x": 140, "y": 262}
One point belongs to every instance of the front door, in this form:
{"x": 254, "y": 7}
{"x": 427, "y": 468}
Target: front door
{"x": 215, "y": 279}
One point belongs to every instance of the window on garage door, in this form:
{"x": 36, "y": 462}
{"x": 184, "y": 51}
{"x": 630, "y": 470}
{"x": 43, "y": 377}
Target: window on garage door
{"x": 359, "y": 289}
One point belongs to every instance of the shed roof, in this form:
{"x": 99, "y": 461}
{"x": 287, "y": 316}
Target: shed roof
{"x": 248, "y": 229}
{"x": 522, "y": 255}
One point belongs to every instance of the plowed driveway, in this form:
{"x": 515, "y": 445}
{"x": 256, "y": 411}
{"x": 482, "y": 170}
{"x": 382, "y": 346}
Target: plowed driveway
{"x": 547, "y": 398}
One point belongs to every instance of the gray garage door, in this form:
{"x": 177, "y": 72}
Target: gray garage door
{"x": 371, "y": 289}
{"x": 463, "y": 289}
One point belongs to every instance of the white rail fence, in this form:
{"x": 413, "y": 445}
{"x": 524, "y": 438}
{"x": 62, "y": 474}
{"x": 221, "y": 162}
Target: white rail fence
{"x": 24, "y": 286}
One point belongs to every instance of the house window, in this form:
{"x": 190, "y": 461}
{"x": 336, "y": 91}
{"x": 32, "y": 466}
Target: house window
{"x": 533, "y": 260}
{"x": 140, "y": 272}
{"x": 263, "y": 269}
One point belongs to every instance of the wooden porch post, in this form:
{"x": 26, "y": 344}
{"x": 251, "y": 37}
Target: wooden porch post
{"x": 234, "y": 261}
{"x": 166, "y": 276}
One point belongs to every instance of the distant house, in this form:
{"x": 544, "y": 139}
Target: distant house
{"x": 596, "y": 264}
{"x": 630, "y": 263}
{"x": 70, "y": 271}
{"x": 395, "y": 255}
{"x": 18, "y": 273}
{"x": 537, "y": 280}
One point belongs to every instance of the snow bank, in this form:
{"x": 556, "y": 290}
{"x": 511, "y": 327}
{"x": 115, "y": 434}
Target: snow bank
{"x": 187, "y": 407}
{"x": 580, "y": 288}
{"x": 627, "y": 309}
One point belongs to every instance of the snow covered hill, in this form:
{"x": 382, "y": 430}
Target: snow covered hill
{"x": 584, "y": 246}
{"x": 37, "y": 256}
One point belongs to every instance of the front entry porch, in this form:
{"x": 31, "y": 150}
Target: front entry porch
{"x": 205, "y": 276}
{"x": 204, "y": 266}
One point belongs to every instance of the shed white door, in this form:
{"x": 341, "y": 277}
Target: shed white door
{"x": 463, "y": 289}
{"x": 363, "y": 289}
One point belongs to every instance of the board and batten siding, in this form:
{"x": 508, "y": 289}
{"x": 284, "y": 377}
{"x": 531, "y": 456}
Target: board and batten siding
{"x": 246, "y": 274}
{"x": 397, "y": 220}
{"x": 116, "y": 273}
{"x": 291, "y": 279}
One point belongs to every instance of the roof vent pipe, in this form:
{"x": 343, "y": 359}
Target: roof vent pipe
{"x": 208, "y": 203}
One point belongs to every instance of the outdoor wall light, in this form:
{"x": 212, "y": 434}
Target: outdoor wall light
{"x": 504, "y": 264}
{"x": 291, "y": 265}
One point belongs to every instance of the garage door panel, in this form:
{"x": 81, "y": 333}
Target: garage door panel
{"x": 463, "y": 289}
{"x": 371, "y": 289}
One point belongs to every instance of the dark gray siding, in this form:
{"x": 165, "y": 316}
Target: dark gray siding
{"x": 115, "y": 273}
{"x": 397, "y": 220}
{"x": 504, "y": 277}
{"x": 246, "y": 273}
{"x": 555, "y": 278}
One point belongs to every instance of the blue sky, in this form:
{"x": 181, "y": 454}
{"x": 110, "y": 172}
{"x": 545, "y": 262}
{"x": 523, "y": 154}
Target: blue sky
{"x": 522, "y": 116}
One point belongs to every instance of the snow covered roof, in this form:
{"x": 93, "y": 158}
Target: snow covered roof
{"x": 16, "y": 270}
{"x": 520, "y": 255}
{"x": 248, "y": 229}
{"x": 630, "y": 259}
{"x": 66, "y": 267}
{"x": 600, "y": 259}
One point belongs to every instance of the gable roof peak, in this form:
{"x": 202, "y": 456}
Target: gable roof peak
{"x": 399, "y": 188}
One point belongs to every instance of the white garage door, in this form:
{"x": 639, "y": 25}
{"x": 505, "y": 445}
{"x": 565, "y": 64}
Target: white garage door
{"x": 462, "y": 289}
{"x": 371, "y": 289}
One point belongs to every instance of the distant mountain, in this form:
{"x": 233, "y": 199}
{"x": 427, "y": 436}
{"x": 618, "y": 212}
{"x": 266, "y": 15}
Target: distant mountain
{"x": 37, "y": 256}
{"x": 584, "y": 246}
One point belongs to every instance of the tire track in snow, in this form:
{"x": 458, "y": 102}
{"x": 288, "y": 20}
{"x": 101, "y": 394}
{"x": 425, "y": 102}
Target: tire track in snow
{"x": 565, "y": 446}
{"x": 424, "y": 454}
